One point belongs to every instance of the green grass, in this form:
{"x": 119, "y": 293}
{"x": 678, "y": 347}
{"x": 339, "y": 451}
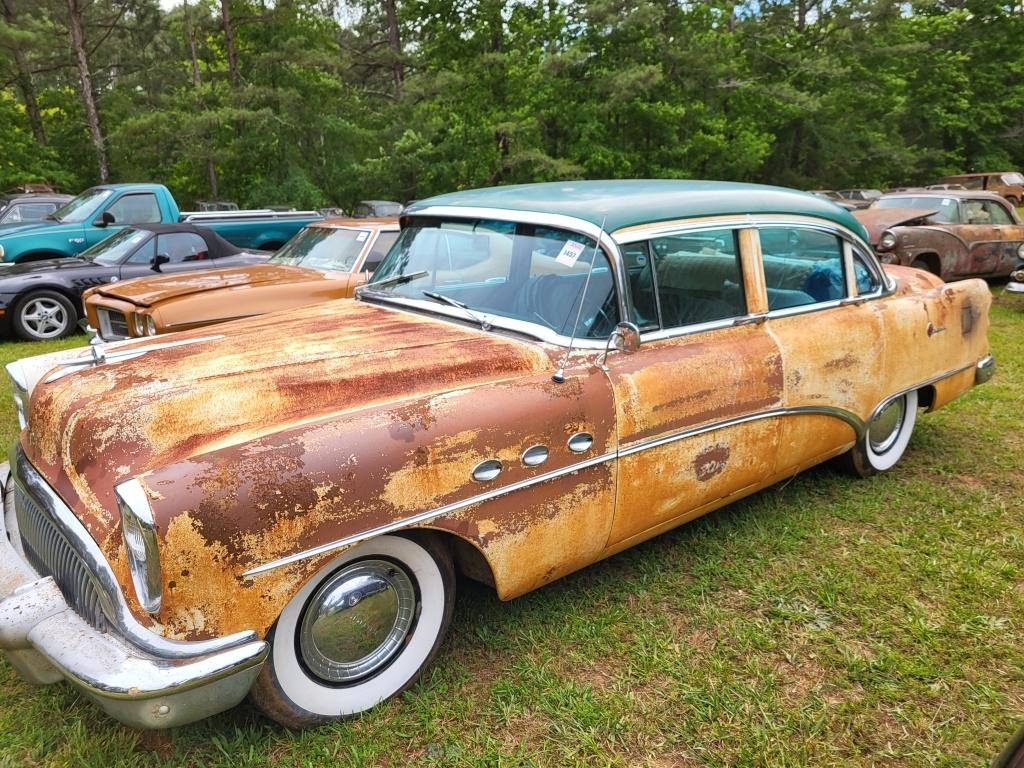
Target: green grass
{"x": 823, "y": 622}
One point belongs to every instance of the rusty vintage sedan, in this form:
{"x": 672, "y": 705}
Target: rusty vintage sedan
{"x": 326, "y": 260}
{"x": 536, "y": 378}
{"x": 948, "y": 233}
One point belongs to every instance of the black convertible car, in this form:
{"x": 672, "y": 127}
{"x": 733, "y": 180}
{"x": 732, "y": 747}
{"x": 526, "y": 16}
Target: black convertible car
{"x": 43, "y": 299}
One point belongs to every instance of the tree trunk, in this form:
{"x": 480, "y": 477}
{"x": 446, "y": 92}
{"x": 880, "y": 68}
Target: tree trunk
{"x": 197, "y": 82}
{"x": 92, "y": 116}
{"x": 191, "y": 32}
{"x": 23, "y": 78}
{"x": 229, "y": 43}
{"x": 395, "y": 43}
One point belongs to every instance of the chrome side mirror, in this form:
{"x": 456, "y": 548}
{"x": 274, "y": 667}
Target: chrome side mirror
{"x": 625, "y": 338}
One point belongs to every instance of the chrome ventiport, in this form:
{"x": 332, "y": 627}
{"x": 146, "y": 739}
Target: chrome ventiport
{"x": 535, "y": 455}
{"x": 580, "y": 442}
{"x": 357, "y": 621}
{"x": 486, "y": 471}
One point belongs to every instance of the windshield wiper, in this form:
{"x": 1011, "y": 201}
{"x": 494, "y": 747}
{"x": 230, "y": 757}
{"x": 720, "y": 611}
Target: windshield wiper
{"x": 460, "y": 305}
{"x": 398, "y": 279}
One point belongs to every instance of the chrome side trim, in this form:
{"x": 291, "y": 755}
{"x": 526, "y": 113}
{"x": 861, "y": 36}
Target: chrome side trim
{"x": 425, "y": 517}
{"x": 121, "y": 618}
{"x": 925, "y": 383}
{"x": 858, "y": 424}
{"x": 805, "y": 410}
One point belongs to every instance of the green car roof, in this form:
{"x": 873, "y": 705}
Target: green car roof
{"x": 631, "y": 202}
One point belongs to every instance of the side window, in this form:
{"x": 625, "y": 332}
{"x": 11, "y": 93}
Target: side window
{"x": 182, "y": 246}
{"x": 135, "y": 209}
{"x": 974, "y": 182}
{"x": 27, "y": 212}
{"x": 801, "y": 266}
{"x": 975, "y": 212}
{"x": 697, "y": 278}
{"x": 145, "y": 253}
{"x": 996, "y": 213}
{"x": 379, "y": 250}
{"x": 866, "y": 280}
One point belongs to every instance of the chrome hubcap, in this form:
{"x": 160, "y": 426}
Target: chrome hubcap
{"x": 885, "y": 427}
{"x": 357, "y": 621}
{"x": 44, "y": 318}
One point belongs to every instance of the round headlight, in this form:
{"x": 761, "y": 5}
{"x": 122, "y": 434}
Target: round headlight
{"x": 138, "y": 325}
{"x": 1020, "y": 250}
{"x": 1017, "y": 275}
{"x": 887, "y": 241}
{"x": 150, "y": 325}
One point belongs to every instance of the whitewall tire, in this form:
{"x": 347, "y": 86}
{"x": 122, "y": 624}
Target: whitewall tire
{"x": 359, "y": 632}
{"x": 885, "y": 439}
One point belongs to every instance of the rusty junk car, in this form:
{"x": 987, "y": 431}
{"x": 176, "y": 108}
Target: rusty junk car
{"x": 326, "y": 260}
{"x": 948, "y": 233}
{"x": 537, "y": 377}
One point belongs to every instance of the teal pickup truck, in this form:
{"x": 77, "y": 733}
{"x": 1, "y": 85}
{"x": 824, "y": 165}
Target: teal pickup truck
{"x": 100, "y": 211}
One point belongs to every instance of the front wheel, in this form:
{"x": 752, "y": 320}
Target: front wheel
{"x": 43, "y": 315}
{"x": 359, "y": 632}
{"x": 885, "y": 439}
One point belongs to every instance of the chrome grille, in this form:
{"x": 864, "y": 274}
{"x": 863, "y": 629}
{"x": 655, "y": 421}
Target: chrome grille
{"x": 113, "y": 324}
{"x": 49, "y": 552}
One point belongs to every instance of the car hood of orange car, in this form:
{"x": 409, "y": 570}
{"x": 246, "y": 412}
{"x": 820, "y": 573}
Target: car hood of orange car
{"x": 212, "y": 388}
{"x": 877, "y": 220}
{"x": 148, "y": 291}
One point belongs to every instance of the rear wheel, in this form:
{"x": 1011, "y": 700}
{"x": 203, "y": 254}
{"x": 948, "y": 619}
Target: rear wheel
{"x": 926, "y": 264}
{"x": 361, "y": 631}
{"x": 43, "y": 315}
{"x": 885, "y": 439}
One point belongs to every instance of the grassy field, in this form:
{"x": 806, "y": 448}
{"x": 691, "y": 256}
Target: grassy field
{"x": 824, "y": 622}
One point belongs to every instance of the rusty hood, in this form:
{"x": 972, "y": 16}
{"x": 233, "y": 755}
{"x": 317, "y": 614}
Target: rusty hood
{"x": 94, "y": 428}
{"x": 149, "y": 291}
{"x": 877, "y": 220}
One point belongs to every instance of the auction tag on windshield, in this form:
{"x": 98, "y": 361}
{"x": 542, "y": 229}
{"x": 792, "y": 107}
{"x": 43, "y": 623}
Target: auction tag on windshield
{"x": 362, "y": 236}
{"x": 570, "y": 253}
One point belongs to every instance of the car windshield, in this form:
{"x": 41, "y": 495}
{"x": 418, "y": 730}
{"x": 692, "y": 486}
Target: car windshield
{"x": 1013, "y": 178}
{"x": 328, "y": 249}
{"x": 116, "y": 248}
{"x": 945, "y": 207}
{"x": 80, "y": 208}
{"x": 497, "y": 269}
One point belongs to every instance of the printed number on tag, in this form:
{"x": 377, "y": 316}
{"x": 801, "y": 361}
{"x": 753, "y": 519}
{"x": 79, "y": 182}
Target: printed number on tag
{"x": 570, "y": 253}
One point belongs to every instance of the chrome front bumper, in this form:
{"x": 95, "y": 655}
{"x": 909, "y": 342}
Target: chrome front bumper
{"x": 136, "y": 676}
{"x": 1014, "y": 287}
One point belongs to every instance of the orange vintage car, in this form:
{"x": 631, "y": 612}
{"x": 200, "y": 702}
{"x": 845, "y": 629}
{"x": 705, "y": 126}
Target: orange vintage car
{"x": 537, "y": 377}
{"x": 325, "y": 261}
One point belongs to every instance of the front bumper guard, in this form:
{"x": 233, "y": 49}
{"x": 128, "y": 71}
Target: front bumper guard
{"x": 985, "y": 369}
{"x": 46, "y": 641}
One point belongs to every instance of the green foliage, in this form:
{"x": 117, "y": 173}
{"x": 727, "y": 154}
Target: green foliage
{"x": 860, "y": 92}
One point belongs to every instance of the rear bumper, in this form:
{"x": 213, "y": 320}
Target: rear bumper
{"x": 985, "y": 369}
{"x": 164, "y": 685}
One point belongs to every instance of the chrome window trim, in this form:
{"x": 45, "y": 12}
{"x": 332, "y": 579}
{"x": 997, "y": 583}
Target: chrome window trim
{"x": 120, "y": 616}
{"x": 556, "y": 220}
